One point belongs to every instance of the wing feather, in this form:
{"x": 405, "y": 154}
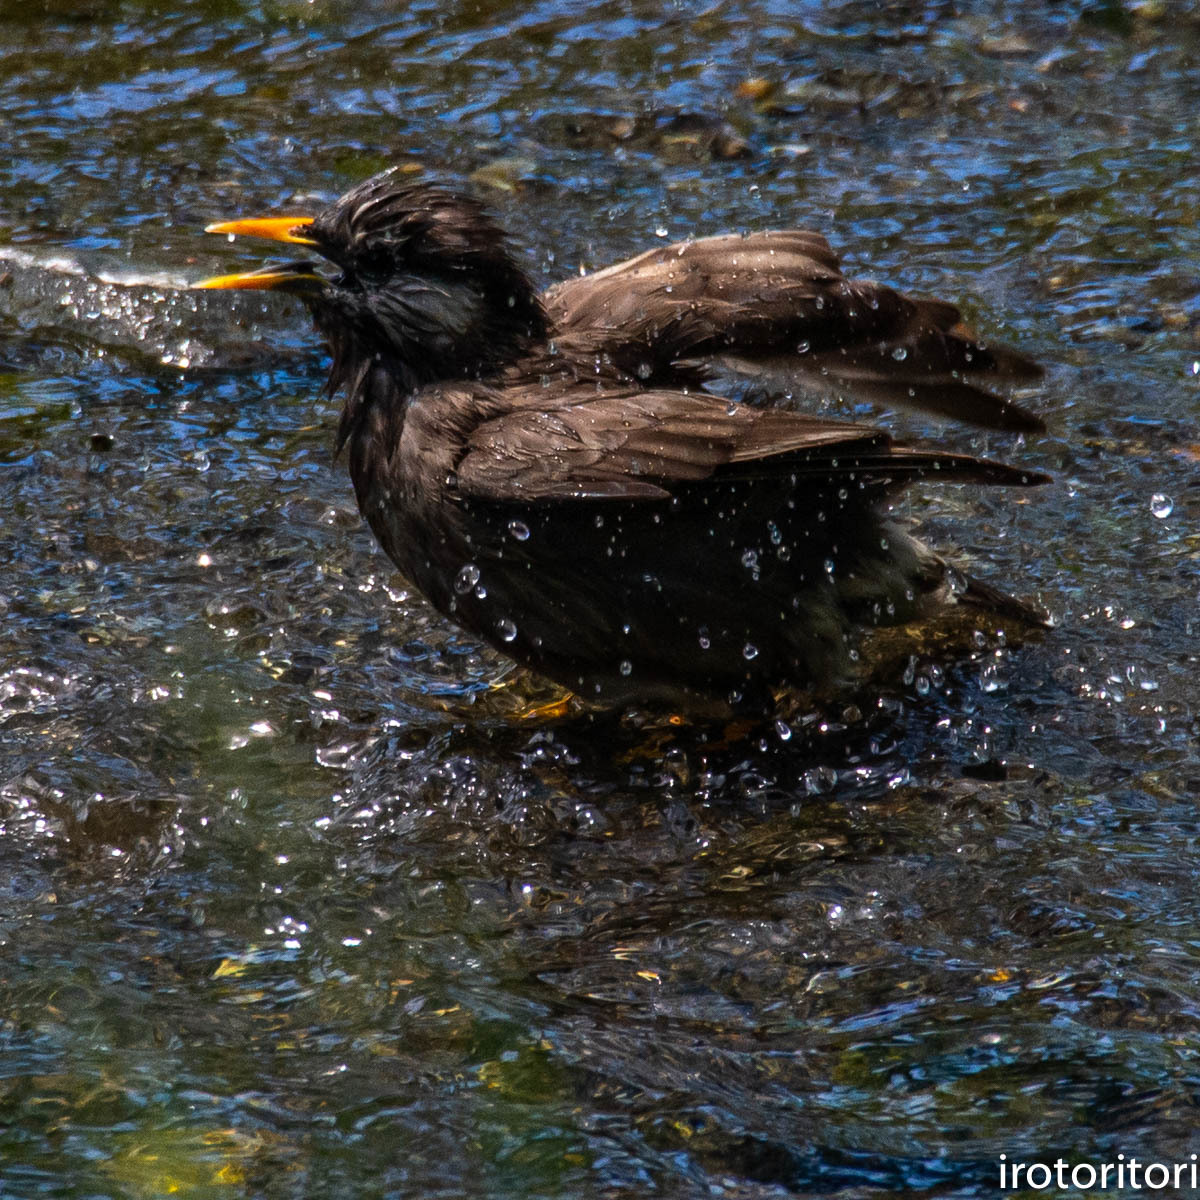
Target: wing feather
{"x": 642, "y": 445}
{"x": 775, "y": 306}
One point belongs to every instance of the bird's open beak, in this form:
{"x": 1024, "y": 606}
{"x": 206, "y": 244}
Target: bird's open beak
{"x": 275, "y": 229}
{"x": 300, "y": 278}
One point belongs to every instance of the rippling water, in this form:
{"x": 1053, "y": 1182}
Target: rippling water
{"x": 290, "y": 905}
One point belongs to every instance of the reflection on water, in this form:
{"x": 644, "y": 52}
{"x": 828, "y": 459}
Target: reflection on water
{"x": 292, "y": 906}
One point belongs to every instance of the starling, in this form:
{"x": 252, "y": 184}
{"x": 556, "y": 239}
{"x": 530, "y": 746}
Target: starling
{"x": 555, "y": 474}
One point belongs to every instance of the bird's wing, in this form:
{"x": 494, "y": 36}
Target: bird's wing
{"x": 643, "y": 445}
{"x": 776, "y": 306}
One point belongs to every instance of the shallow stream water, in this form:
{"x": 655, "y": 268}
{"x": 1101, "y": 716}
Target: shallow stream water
{"x": 291, "y": 905}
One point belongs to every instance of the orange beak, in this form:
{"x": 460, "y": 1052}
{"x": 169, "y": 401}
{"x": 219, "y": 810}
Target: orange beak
{"x": 300, "y": 279}
{"x": 275, "y": 229}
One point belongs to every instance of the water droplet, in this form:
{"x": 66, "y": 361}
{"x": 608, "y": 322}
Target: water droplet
{"x": 644, "y": 370}
{"x": 899, "y": 353}
{"x": 626, "y": 667}
{"x": 662, "y": 231}
{"x": 467, "y": 578}
{"x": 705, "y": 640}
{"x": 820, "y": 779}
{"x": 519, "y": 530}
{"x": 749, "y": 651}
{"x": 803, "y": 347}
{"x": 783, "y": 730}
{"x": 506, "y": 629}
{"x": 1161, "y": 506}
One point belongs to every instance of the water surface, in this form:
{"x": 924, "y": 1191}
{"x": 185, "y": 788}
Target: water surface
{"x": 291, "y": 906}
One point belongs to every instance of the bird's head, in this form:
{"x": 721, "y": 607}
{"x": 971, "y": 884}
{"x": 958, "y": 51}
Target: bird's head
{"x": 424, "y": 283}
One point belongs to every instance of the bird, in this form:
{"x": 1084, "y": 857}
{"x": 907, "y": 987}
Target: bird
{"x": 559, "y": 474}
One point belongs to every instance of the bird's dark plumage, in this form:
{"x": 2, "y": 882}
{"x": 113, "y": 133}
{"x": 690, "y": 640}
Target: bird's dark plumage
{"x": 776, "y": 306}
{"x": 548, "y": 471}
